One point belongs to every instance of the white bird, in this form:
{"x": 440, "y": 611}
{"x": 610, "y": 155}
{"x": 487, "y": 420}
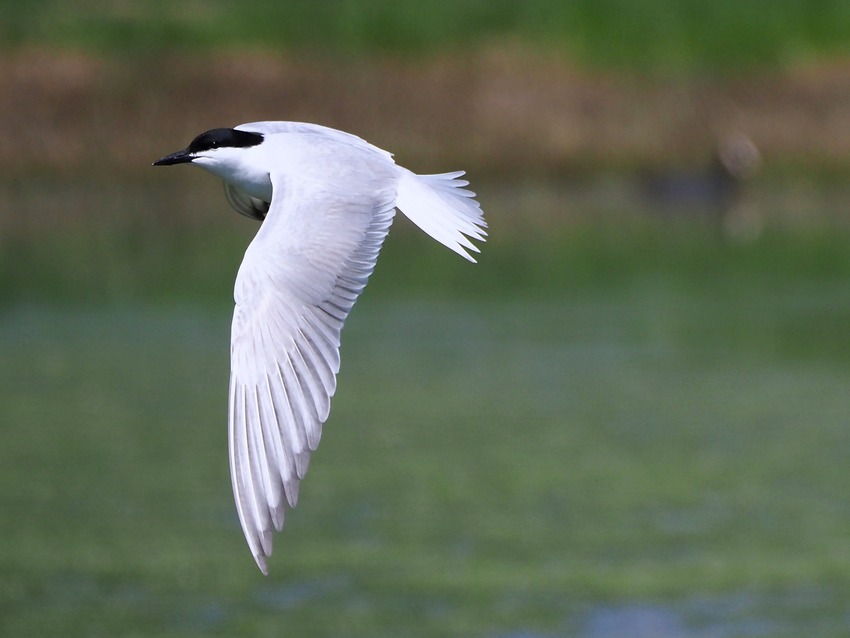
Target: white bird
{"x": 326, "y": 200}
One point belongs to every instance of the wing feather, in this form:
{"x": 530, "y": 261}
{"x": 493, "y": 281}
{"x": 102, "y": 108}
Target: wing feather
{"x": 276, "y": 451}
{"x": 299, "y": 279}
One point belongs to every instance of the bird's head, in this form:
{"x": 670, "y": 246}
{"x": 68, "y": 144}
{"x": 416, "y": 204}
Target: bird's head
{"x": 219, "y": 148}
{"x": 230, "y": 154}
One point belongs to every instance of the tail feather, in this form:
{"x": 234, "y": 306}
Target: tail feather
{"x": 441, "y": 207}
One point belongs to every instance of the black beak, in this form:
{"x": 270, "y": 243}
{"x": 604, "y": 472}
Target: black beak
{"x": 180, "y": 157}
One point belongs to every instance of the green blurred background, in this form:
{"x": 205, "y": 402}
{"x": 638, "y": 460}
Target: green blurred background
{"x": 629, "y": 419}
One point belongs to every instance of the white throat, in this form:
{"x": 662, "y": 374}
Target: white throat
{"x": 236, "y": 168}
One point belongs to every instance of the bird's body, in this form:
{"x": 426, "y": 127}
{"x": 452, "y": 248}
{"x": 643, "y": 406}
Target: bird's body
{"x": 327, "y": 200}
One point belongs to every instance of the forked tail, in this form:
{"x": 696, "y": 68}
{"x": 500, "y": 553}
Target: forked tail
{"x": 443, "y": 208}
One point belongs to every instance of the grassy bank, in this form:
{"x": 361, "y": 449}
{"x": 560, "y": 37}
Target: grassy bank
{"x": 654, "y": 35}
{"x": 510, "y": 88}
{"x": 172, "y": 238}
{"x": 144, "y": 264}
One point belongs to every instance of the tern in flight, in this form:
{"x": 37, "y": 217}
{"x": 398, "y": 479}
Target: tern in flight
{"x": 326, "y": 200}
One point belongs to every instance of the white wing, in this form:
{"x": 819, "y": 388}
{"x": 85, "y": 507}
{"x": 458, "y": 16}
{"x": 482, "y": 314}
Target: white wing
{"x": 299, "y": 279}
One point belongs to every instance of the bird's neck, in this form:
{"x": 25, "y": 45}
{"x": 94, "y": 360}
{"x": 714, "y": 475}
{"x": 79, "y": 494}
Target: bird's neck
{"x": 255, "y": 182}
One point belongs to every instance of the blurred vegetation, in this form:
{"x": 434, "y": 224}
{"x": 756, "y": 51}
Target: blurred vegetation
{"x": 72, "y": 228}
{"x": 644, "y": 35}
{"x": 621, "y": 404}
{"x": 163, "y": 239}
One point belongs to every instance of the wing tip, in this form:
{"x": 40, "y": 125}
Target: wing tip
{"x": 262, "y": 563}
